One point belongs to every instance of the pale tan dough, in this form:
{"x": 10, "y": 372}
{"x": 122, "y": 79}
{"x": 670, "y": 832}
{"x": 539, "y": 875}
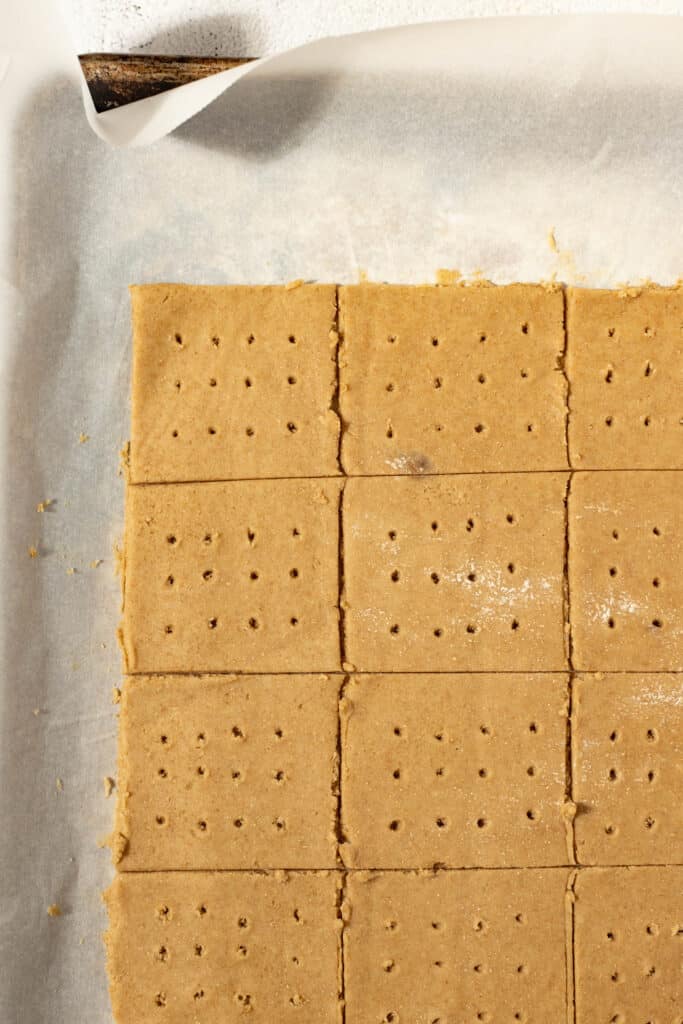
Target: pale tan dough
{"x": 232, "y": 576}
{"x": 233, "y": 382}
{"x": 224, "y": 948}
{"x": 455, "y": 573}
{"x": 626, "y": 571}
{"x": 627, "y": 739}
{"x": 625, "y": 362}
{"x": 228, "y": 772}
{"x": 446, "y": 380}
{"x": 628, "y": 935}
{"x": 460, "y": 770}
{"x": 449, "y": 946}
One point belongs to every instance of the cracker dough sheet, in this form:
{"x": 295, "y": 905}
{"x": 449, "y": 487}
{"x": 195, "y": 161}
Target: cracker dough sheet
{"x": 401, "y": 732}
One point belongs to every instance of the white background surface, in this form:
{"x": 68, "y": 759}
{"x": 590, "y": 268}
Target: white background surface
{"x": 261, "y": 27}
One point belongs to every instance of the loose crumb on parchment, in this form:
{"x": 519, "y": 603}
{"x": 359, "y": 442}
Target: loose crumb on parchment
{"x": 33, "y": 552}
{"x": 54, "y": 910}
{"x": 83, "y": 438}
{"x": 43, "y": 506}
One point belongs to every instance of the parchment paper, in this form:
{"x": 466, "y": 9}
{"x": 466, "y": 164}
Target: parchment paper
{"x": 453, "y": 146}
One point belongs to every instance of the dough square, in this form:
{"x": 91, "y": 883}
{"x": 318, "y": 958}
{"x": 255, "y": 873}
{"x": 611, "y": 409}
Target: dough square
{"x": 457, "y": 770}
{"x": 448, "y": 946}
{"x": 452, "y": 379}
{"x": 224, "y": 947}
{"x": 627, "y": 737}
{"x": 241, "y": 575}
{"x": 626, "y": 571}
{"x": 233, "y": 382}
{"x": 455, "y": 573}
{"x": 628, "y": 934}
{"x": 228, "y": 772}
{"x": 625, "y": 362}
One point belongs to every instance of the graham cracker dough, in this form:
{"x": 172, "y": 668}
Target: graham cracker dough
{"x": 446, "y": 380}
{"x": 628, "y": 937}
{"x": 455, "y": 573}
{"x": 233, "y": 382}
{"x": 438, "y": 838}
{"x": 453, "y": 945}
{"x": 625, "y": 362}
{"x": 463, "y": 771}
{"x": 228, "y": 772}
{"x": 626, "y": 571}
{"x": 222, "y": 948}
{"x": 232, "y": 576}
{"x": 627, "y": 738}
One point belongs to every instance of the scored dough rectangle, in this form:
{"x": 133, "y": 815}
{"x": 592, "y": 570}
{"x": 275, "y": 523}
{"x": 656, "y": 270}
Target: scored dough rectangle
{"x": 233, "y": 382}
{"x": 455, "y": 573}
{"x": 452, "y": 379}
{"x": 627, "y": 739}
{"x": 224, "y": 947}
{"x": 460, "y": 770}
{"x": 628, "y": 933}
{"x": 228, "y": 772}
{"x": 625, "y": 363}
{"x": 626, "y": 571}
{"x": 456, "y": 946}
{"x": 232, "y": 576}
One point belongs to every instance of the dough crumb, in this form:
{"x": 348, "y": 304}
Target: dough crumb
{"x": 118, "y": 845}
{"x": 96, "y": 563}
{"x": 59, "y": 785}
{"x": 552, "y": 241}
{"x": 33, "y": 552}
{"x": 71, "y": 571}
{"x": 109, "y": 785}
{"x": 116, "y": 695}
{"x": 83, "y": 438}
{"x": 296, "y": 283}
{"x": 446, "y": 277}
{"x": 54, "y": 910}
{"x": 124, "y": 460}
{"x": 43, "y": 506}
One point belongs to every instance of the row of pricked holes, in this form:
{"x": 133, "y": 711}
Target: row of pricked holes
{"x": 609, "y": 372}
{"x": 442, "y": 823}
{"x": 646, "y": 420}
{"x": 216, "y": 340}
{"x": 278, "y": 776}
{"x": 243, "y": 1000}
{"x": 479, "y": 428}
{"x": 162, "y": 953}
{"x": 208, "y": 538}
{"x": 471, "y": 629}
{"x": 212, "y": 624}
{"x": 236, "y": 732}
{"x": 392, "y": 339}
{"x": 248, "y": 382}
{"x": 279, "y": 824}
{"x": 437, "y": 382}
{"x": 249, "y": 431}
{"x": 470, "y": 524}
{"x": 208, "y": 575}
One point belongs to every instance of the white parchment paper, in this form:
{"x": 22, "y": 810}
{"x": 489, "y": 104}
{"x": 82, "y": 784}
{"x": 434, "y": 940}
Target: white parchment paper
{"x": 461, "y": 145}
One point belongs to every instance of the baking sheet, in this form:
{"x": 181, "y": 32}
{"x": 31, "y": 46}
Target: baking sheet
{"x": 517, "y": 149}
